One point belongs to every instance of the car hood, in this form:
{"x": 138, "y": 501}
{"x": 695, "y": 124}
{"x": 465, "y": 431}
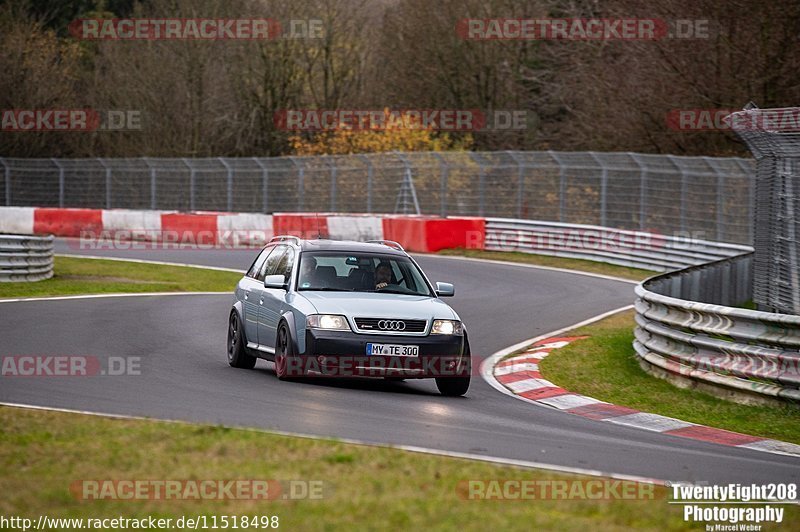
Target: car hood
{"x": 376, "y": 305}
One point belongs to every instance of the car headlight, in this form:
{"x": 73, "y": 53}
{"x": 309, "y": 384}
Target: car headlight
{"x": 328, "y": 321}
{"x": 447, "y": 327}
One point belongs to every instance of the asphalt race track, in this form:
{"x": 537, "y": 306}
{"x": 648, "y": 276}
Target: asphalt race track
{"x": 185, "y": 375}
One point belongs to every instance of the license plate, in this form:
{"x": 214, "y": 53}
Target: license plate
{"x": 393, "y": 350}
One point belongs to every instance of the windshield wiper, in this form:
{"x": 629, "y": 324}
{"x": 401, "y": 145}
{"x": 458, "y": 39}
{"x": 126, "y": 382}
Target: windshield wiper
{"x": 326, "y": 289}
{"x": 404, "y": 292}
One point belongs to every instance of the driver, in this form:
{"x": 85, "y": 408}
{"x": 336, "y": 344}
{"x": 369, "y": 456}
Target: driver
{"x": 308, "y": 272}
{"x": 383, "y": 275}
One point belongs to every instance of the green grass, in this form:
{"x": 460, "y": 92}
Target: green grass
{"x": 634, "y": 274}
{"x": 365, "y": 488}
{"x": 93, "y": 276}
{"x": 605, "y": 367}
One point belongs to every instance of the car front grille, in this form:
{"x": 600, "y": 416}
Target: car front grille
{"x": 390, "y": 325}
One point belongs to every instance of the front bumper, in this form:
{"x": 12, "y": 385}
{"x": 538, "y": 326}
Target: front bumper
{"x": 343, "y": 354}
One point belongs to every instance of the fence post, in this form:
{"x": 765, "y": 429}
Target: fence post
{"x": 684, "y": 191}
{"x": 481, "y": 184}
{"x": 562, "y": 186}
{"x": 264, "y": 185}
{"x": 301, "y": 185}
{"x": 153, "y": 177}
{"x": 369, "y": 181}
{"x": 642, "y": 191}
{"x": 108, "y": 181}
{"x": 720, "y": 230}
{"x": 603, "y": 189}
{"x": 229, "y": 186}
{"x": 444, "y": 170}
{"x": 332, "y": 164}
{"x": 520, "y": 182}
{"x": 749, "y": 171}
{"x": 7, "y": 173}
{"x": 192, "y": 182}
{"x": 60, "y": 182}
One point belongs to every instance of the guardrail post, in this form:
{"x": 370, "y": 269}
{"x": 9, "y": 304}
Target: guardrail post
{"x": 7, "y": 173}
{"x": 229, "y": 185}
{"x": 60, "y": 182}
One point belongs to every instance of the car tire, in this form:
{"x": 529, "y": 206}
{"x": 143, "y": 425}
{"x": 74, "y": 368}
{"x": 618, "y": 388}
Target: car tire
{"x": 238, "y": 357}
{"x": 457, "y": 386}
{"x": 283, "y": 353}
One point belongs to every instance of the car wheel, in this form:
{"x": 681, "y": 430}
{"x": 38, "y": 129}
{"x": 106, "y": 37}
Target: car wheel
{"x": 457, "y": 386}
{"x": 237, "y": 352}
{"x": 283, "y": 353}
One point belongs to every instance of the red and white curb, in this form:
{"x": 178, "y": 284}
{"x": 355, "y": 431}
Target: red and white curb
{"x": 521, "y": 377}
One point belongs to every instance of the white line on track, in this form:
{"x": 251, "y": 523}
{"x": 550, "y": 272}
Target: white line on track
{"x": 142, "y": 261}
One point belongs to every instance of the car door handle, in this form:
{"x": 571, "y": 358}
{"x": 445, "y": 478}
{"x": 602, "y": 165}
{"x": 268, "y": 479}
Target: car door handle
{"x": 247, "y": 295}
{"x": 261, "y": 302}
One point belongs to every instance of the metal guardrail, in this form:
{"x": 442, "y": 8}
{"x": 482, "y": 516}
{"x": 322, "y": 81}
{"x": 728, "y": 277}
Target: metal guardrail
{"x": 637, "y": 249}
{"x": 684, "y": 330}
{"x": 25, "y": 258}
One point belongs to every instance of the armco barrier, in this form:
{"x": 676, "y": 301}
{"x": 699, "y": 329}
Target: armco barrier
{"x": 25, "y": 258}
{"x": 685, "y": 334}
{"x": 637, "y": 249}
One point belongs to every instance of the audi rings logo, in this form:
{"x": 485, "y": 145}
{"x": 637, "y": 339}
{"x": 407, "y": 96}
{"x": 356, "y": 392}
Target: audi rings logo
{"x": 392, "y": 325}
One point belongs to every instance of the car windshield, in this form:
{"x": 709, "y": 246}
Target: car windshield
{"x": 360, "y": 272}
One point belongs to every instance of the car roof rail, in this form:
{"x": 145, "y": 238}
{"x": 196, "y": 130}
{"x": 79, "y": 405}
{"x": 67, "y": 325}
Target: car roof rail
{"x": 389, "y": 243}
{"x": 284, "y": 238}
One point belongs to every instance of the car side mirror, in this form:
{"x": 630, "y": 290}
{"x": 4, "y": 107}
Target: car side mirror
{"x": 274, "y": 281}
{"x": 445, "y": 290}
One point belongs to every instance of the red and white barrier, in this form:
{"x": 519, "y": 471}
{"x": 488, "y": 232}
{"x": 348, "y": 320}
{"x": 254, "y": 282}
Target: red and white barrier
{"x": 415, "y": 233}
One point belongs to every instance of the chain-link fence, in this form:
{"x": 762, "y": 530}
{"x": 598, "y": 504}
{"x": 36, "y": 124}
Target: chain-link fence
{"x": 776, "y": 261}
{"x": 710, "y": 198}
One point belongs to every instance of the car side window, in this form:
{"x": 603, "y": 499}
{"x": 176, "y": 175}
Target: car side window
{"x": 285, "y": 265}
{"x": 258, "y": 263}
{"x": 270, "y": 265}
